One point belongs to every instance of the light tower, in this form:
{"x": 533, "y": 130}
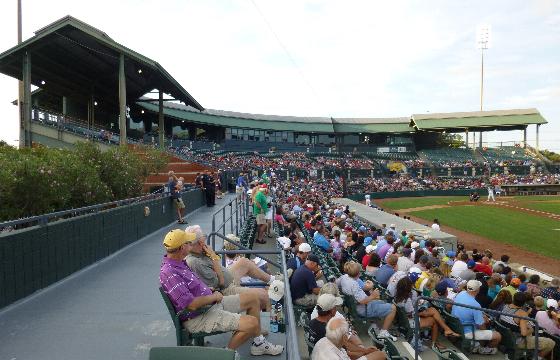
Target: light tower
{"x": 482, "y": 43}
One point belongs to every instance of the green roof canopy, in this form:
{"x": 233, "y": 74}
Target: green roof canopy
{"x": 280, "y": 123}
{"x": 76, "y": 60}
{"x": 477, "y": 120}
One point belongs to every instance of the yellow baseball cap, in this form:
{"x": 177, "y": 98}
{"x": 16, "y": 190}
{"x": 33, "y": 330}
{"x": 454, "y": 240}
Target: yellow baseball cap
{"x": 177, "y": 237}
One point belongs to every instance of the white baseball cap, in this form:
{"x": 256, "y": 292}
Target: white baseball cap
{"x": 370, "y": 249}
{"x": 304, "y": 247}
{"x": 551, "y": 303}
{"x": 284, "y": 241}
{"x": 392, "y": 226}
{"x": 473, "y": 285}
{"x": 414, "y": 244}
{"x": 276, "y": 290}
{"x": 328, "y": 301}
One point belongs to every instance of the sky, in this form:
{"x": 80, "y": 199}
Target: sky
{"x": 329, "y": 58}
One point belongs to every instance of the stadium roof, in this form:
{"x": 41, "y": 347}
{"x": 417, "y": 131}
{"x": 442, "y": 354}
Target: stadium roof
{"x": 77, "y": 60}
{"x": 477, "y": 120}
{"x": 280, "y": 123}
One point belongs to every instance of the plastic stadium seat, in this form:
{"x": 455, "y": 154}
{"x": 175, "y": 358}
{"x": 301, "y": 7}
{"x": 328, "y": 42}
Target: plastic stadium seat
{"x": 184, "y": 337}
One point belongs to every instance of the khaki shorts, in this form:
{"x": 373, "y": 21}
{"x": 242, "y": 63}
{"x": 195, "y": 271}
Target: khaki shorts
{"x": 307, "y": 300}
{"x": 546, "y": 345}
{"x": 261, "y": 219}
{"x": 220, "y": 317}
{"x": 233, "y": 289}
{"x": 239, "y": 189}
{"x": 179, "y": 203}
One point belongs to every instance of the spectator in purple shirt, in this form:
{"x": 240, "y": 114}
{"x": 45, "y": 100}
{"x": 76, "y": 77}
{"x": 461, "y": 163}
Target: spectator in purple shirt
{"x": 382, "y": 252}
{"x": 187, "y": 291}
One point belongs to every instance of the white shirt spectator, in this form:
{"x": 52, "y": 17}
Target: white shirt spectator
{"x": 435, "y": 226}
{"x": 325, "y": 350}
{"x": 404, "y": 264}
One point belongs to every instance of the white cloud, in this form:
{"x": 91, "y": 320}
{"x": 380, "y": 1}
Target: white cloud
{"x": 354, "y": 58}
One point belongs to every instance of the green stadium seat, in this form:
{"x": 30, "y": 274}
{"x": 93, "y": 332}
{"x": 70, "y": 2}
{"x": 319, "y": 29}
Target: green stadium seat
{"x": 191, "y": 353}
{"x": 184, "y": 337}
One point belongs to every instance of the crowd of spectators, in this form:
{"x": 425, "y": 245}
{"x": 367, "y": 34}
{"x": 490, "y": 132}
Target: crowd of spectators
{"x": 335, "y": 260}
{"x": 373, "y": 261}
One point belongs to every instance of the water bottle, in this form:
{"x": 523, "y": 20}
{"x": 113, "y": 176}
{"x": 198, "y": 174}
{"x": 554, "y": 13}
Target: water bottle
{"x": 273, "y": 318}
{"x": 280, "y": 317}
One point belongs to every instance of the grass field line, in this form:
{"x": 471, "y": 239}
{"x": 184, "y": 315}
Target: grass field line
{"x": 549, "y": 214}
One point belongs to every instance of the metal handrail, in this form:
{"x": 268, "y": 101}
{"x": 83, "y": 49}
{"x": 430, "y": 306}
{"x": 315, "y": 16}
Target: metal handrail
{"x": 46, "y": 218}
{"x": 489, "y": 311}
{"x": 243, "y": 249}
{"x": 240, "y": 217}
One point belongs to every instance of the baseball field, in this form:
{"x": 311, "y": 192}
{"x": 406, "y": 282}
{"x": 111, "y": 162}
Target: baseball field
{"x": 526, "y": 225}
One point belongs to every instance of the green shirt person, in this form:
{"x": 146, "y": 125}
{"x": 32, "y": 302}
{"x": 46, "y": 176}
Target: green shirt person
{"x": 265, "y": 178}
{"x": 260, "y": 205}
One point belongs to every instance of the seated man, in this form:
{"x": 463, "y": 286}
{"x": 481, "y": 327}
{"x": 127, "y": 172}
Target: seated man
{"x": 320, "y": 238}
{"x": 471, "y": 317}
{"x": 387, "y": 270}
{"x": 294, "y": 263}
{"x": 326, "y": 310}
{"x": 337, "y": 342}
{"x": 207, "y": 265}
{"x": 186, "y": 291}
{"x": 303, "y": 284}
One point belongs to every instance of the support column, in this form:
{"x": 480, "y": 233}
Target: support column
{"x": 27, "y": 99}
{"x": 92, "y": 115}
{"x": 122, "y": 101}
{"x": 161, "y": 127}
{"x": 525, "y": 138}
{"x": 467, "y": 138}
{"x": 480, "y": 140}
{"x": 537, "y": 147}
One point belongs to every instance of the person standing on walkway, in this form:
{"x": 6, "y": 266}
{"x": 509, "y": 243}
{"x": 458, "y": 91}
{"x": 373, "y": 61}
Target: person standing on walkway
{"x": 208, "y": 188}
{"x": 175, "y": 191}
{"x": 260, "y": 208}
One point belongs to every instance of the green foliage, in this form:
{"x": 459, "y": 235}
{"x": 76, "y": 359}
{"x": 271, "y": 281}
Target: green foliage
{"x": 551, "y": 155}
{"x": 41, "y": 180}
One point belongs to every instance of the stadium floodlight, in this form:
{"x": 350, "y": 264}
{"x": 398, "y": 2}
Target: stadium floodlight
{"x": 139, "y": 71}
{"x": 95, "y": 103}
{"x": 43, "y": 82}
{"x": 482, "y": 43}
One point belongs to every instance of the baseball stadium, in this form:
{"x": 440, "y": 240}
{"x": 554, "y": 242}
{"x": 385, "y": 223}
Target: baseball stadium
{"x": 316, "y": 237}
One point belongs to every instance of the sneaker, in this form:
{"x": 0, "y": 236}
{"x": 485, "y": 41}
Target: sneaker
{"x": 266, "y": 348}
{"x": 487, "y": 351}
{"x": 385, "y": 334}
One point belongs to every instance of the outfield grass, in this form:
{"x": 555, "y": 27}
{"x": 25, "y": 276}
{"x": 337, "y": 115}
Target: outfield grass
{"x": 551, "y": 207}
{"x": 533, "y": 233}
{"x": 536, "y": 198}
{"x": 421, "y": 201}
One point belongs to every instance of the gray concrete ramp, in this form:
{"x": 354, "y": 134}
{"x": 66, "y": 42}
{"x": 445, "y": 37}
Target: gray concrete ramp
{"x": 110, "y": 310}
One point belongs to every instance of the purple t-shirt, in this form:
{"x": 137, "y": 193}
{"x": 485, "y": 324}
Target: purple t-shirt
{"x": 181, "y": 284}
{"x": 383, "y": 251}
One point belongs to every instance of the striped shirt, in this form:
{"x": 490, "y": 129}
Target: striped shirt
{"x": 181, "y": 284}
